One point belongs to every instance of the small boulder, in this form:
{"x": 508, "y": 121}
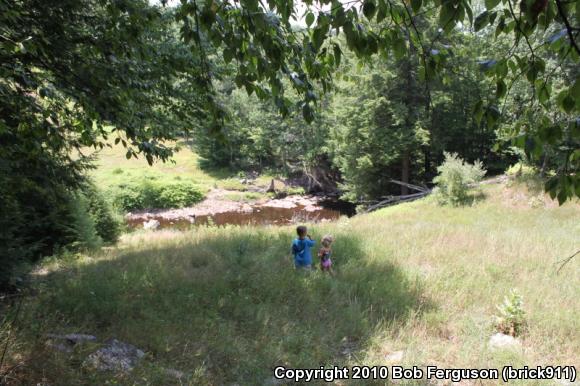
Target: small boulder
{"x": 65, "y": 343}
{"x": 151, "y": 225}
{"x": 395, "y": 357}
{"x": 115, "y": 356}
{"x": 503, "y": 341}
{"x": 60, "y": 347}
{"x": 173, "y": 373}
{"x": 74, "y": 338}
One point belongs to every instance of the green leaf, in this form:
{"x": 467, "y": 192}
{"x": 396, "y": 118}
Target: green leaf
{"x": 337, "y": 54}
{"x": 446, "y": 16}
{"x": 492, "y": 115}
{"x": 382, "y": 11}
{"x": 309, "y": 19}
{"x": 481, "y": 21}
{"x": 478, "y": 111}
{"x": 543, "y": 89}
{"x": 568, "y": 103}
{"x": 416, "y": 5}
{"x": 307, "y": 113}
{"x": 228, "y": 55}
{"x": 469, "y": 12}
{"x": 551, "y": 185}
{"x": 562, "y": 196}
{"x": 318, "y": 37}
{"x": 369, "y": 8}
{"x": 400, "y": 48}
{"x": 501, "y": 89}
{"x": 575, "y": 89}
{"x": 491, "y": 4}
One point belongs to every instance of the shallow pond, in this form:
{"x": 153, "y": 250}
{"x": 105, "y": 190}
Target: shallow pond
{"x": 259, "y": 215}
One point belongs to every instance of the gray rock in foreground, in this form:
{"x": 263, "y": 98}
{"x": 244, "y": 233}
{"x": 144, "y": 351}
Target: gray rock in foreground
{"x": 503, "y": 341}
{"x": 173, "y": 373}
{"x": 66, "y": 343}
{"x": 151, "y": 224}
{"x": 115, "y": 356}
{"x": 74, "y": 338}
{"x": 395, "y": 357}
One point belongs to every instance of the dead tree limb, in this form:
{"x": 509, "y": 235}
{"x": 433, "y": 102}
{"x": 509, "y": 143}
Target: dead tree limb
{"x": 565, "y": 261}
{"x": 392, "y": 200}
{"x": 410, "y": 186}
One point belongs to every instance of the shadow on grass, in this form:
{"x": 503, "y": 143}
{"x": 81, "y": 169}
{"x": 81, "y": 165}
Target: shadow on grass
{"x": 231, "y": 307}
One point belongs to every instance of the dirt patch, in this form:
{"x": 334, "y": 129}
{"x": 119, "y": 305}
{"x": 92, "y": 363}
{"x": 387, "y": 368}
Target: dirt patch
{"x": 216, "y": 203}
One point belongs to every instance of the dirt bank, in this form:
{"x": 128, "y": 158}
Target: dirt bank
{"x": 217, "y": 202}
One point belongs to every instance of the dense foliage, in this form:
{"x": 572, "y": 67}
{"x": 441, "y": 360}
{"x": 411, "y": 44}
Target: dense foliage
{"x": 76, "y": 74}
{"x": 455, "y": 179}
{"x": 539, "y": 39}
{"x": 150, "y": 194}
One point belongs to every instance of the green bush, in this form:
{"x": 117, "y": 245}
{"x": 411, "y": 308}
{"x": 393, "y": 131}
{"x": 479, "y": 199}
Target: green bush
{"x": 455, "y": 179}
{"x": 512, "y": 317}
{"x": 82, "y": 229}
{"x": 148, "y": 195}
{"x": 128, "y": 197}
{"x": 108, "y": 223}
{"x": 179, "y": 195}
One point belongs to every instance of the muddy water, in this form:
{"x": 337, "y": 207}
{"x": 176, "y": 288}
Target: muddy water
{"x": 262, "y": 215}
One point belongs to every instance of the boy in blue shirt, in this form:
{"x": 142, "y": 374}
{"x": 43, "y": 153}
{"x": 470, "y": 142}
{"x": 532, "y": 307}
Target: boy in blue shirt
{"x": 301, "y": 248}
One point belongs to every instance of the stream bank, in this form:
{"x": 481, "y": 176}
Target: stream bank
{"x": 218, "y": 209}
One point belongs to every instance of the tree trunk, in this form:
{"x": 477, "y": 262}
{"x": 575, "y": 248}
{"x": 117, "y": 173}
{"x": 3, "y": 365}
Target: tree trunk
{"x": 405, "y": 169}
{"x": 427, "y": 157}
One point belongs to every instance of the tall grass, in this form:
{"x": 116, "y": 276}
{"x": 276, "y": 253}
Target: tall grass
{"x": 226, "y": 306}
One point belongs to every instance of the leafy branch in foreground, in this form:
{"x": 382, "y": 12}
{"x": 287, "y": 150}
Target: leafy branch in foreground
{"x": 267, "y": 44}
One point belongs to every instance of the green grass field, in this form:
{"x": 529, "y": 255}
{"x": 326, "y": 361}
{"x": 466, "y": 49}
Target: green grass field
{"x": 113, "y": 169}
{"x": 225, "y": 306}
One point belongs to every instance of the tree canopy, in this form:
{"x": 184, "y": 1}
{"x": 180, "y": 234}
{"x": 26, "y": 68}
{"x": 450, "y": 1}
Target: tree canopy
{"x": 265, "y": 45}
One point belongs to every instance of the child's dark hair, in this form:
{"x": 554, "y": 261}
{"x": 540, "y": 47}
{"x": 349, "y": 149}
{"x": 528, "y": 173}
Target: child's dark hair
{"x": 301, "y": 230}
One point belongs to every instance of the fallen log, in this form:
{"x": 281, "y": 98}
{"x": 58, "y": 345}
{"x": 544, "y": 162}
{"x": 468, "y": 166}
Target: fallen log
{"x": 411, "y": 186}
{"x": 392, "y": 200}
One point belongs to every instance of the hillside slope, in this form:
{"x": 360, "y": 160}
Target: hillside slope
{"x": 225, "y": 306}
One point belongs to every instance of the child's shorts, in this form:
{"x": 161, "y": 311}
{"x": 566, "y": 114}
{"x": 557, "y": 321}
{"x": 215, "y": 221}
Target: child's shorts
{"x": 326, "y": 263}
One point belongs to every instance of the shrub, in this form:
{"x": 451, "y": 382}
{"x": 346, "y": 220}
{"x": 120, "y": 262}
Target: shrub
{"x": 179, "y": 195}
{"x": 520, "y": 169}
{"x": 522, "y": 174}
{"x": 512, "y": 317}
{"x": 128, "y": 197}
{"x": 149, "y": 195}
{"x": 455, "y": 179}
{"x": 83, "y": 232}
{"x": 108, "y": 223}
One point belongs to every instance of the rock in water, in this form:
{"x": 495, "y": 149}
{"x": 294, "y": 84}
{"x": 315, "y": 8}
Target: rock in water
{"x": 151, "y": 225}
{"x": 115, "y": 356}
{"x": 503, "y": 341}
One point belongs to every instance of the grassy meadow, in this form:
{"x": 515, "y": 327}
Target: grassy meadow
{"x": 225, "y": 306}
{"x": 112, "y": 169}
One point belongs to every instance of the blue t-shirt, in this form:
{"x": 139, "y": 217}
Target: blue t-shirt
{"x": 301, "y": 251}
